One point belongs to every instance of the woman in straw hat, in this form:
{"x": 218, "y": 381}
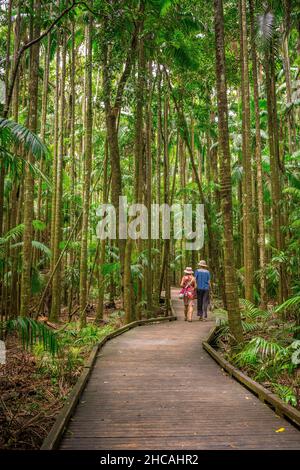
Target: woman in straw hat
{"x": 188, "y": 286}
{"x": 202, "y": 276}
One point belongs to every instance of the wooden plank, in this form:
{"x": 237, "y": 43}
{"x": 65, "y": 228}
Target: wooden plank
{"x": 53, "y": 438}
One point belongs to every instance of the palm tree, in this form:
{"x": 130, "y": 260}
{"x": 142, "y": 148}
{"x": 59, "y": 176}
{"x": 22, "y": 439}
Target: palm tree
{"x": 87, "y": 171}
{"x": 29, "y": 180}
{"x": 231, "y": 292}
{"x": 246, "y": 150}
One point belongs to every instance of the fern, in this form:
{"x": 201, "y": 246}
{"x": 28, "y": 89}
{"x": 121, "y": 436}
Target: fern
{"x": 249, "y": 327}
{"x": 252, "y": 312}
{"x": 285, "y": 393}
{"x": 267, "y": 349}
{"x": 292, "y": 302}
{"x": 247, "y": 357}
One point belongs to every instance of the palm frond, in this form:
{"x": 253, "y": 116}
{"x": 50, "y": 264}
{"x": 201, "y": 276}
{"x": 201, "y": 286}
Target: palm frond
{"x": 288, "y": 304}
{"x": 36, "y": 244}
{"x": 32, "y": 332}
{"x": 15, "y": 133}
{"x": 266, "y": 27}
{"x": 249, "y": 327}
{"x": 12, "y": 234}
{"x": 293, "y": 191}
{"x": 286, "y": 394}
{"x": 252, "y": 312}
{"x": 265, "y": 348}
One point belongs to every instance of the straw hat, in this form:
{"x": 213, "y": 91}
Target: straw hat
{"x": 202, "y": 264}
{"x": 188, "y": 270}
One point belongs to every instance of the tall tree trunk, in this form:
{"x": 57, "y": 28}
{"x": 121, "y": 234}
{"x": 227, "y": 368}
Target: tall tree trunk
{"x": 158, "y": 186}
{"x": 101, "y": 286}
{"x": 247, "y": 165}
{"x": 29, "y": 180}
{"x": 275, "y": 164}
{"x": 258, "y": 160}
{"x": 149, "y": 277}
{"x": 166, "y": 199}
{"x": 43, "y": 121}
{"x": 112, "y": 112}
{"x": 6, "y": 84}
{"x": 56, "y": 282}
{"x": 231, "y": 290}
{"x": 55, "y": 150}
{"x": 139, "y": 147}
{"x": 88, "y": 150}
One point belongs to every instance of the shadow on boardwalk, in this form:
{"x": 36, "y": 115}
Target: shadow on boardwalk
{"x": 155, "y": 388}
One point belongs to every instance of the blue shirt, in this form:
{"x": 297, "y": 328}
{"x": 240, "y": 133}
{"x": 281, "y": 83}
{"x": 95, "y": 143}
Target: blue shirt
{"x": 202, "y": 278}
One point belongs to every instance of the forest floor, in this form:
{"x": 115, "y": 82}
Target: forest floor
{"x": 34, "y": 385}
{"x": 266, "y": 358}
{"x": 29, "y": 398}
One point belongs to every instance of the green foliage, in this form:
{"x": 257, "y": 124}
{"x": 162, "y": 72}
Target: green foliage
{"x": 253, "y": 313}
{"x": 266, "y": 349}
{"x": 286, "y": 394}
{"x": 292, "y": 302}
{"x": 58, "y": 367}
{"x": 109, "y": 268}
{"x": 91, "y": 335}
{"x": 15, "y": 133}
{"x": 74, "y": 344}
{"x": 37, "y": 245}
{"x": 38, "y": 225}
{"x": 32, "y": 332}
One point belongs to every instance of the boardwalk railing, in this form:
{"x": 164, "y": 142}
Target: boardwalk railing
{"x": 281, "y": 408}
{"x": 53, "y": 438}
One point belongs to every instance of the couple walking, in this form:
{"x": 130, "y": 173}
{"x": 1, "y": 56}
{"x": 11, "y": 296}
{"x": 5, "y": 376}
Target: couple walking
{"x": 195, "y": 286}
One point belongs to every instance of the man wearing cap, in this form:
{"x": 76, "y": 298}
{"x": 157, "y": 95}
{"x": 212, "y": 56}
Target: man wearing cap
{"x": 202, "y": 276}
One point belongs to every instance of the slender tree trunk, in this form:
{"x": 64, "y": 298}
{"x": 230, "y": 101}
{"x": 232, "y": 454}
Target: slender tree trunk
{"x": 56, "y": 282}
{"x": 112, "y": 113}
{"x": 55, "y": 151}
{"x": 6, "y": 83}
{"x": 139, "y": 147}
{"x": 88, "y": 151}
{"x": 275, "y": 164}
{"x": 166, "y": 199}
{"x": 29, "y": 180}
{"x": 43, "y": 122}
{"x": 247, "y": 164}
{"x": 259, "y": 172}
{"x": 149, "y": 276}
{"x": 101, "y": 286}
{"x": 158, "y": 187}
{"x": 231, "y": 291}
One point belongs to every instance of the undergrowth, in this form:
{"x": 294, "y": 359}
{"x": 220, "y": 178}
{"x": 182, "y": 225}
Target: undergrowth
{"x": 271, "y": 350}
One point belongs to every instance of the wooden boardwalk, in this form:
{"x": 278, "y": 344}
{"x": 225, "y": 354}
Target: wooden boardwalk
{"x": 155, "y": 388}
